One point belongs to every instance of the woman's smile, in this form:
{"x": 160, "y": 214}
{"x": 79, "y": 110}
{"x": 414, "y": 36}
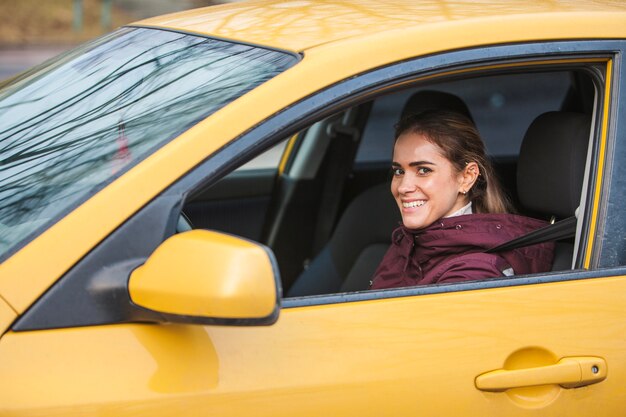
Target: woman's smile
{"x": 413, "y": 204}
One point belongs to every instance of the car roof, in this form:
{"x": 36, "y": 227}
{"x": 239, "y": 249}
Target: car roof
{"x": 300, "y": 25}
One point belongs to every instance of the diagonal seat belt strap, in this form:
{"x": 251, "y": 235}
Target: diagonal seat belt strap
{"x": 560, "y": 230}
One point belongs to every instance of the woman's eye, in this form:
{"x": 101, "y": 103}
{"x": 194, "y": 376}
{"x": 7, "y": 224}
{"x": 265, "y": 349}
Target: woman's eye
{"x": 423, "y": 171}
{"x": 397, "y": 171}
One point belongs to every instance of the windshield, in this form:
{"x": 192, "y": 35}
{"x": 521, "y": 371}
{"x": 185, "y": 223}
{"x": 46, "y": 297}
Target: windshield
{"x": 69, "y": 128}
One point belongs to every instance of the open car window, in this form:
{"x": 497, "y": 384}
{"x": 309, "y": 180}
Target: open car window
{"x": 363, "y": 215}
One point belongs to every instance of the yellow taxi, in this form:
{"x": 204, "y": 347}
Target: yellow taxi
{"x": 192, "y": 207}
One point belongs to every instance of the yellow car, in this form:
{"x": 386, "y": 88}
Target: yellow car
{"x": 191, "y": 209}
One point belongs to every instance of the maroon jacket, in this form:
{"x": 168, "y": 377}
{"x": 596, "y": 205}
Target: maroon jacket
{"x": 452, "y": 250}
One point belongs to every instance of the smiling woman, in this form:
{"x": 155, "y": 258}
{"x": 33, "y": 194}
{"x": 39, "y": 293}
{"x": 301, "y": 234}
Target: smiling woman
{"x": 87, "y": 117}
{"x": 452, "y": 208}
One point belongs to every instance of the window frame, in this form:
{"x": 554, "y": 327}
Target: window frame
{"x": 593, "y": 184}
{"x": 596, "y": 187}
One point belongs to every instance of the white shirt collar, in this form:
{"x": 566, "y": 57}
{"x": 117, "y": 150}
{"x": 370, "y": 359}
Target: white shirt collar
{"x": 463, "y": 210}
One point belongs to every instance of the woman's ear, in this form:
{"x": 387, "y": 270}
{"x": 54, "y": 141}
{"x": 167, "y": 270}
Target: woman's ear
{"x": 469, "y": 176}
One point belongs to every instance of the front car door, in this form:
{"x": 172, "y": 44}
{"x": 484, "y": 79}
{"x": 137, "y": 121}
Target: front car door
{"x": 422, "y": 350}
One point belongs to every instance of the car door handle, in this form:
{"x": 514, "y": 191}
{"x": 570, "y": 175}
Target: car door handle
{"x": 569, "y": 372}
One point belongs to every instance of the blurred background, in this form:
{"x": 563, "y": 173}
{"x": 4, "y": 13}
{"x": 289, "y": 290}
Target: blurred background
{"x": 32, "y": 31}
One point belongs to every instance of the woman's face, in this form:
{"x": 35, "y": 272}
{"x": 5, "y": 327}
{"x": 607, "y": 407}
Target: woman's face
{"x": 425, "y": 184}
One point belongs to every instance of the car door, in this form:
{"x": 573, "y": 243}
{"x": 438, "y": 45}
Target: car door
{"x": 408, "y": 351}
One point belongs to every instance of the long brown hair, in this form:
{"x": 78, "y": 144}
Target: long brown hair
{"x": 460, "y": 143}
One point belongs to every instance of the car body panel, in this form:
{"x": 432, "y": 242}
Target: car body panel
{"x": 401, "y": 356}
{"x": 302, "y": 25}
{"x": 7, "y": 315}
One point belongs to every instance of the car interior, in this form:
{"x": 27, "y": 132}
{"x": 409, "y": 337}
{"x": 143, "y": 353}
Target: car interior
{"x": 321, "y": 199}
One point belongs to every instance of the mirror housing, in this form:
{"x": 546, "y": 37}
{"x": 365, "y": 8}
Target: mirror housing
{"x": 208, "y": 277}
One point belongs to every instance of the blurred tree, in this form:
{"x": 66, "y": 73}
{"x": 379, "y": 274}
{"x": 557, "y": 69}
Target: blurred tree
{"x": 75, "y": 21}
{"x": 148, "y": 8}
{"x": 77, "y": 15}
{"x": 105, "y": 15}
{"x": 53, "y": 21}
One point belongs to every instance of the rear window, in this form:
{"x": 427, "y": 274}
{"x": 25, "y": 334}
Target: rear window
{"x": 69, "y": 128}
{"x": 500, "y": 105}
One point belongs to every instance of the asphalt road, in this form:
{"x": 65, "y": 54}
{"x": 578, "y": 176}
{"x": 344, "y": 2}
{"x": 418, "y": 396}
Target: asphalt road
{"x": 16, "y": 59}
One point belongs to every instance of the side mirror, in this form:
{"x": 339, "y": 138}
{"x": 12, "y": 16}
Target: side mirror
{"x": 207, "y": 277}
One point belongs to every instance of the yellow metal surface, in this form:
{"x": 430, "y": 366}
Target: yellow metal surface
{"x": 286, "y": 154}
{"x": 23, "y": 280}
{"x": 299, "y": 25}
{"x": 7, "y": 316}
{"x": 405, "y": 356}
{"x": 206, "y": 274}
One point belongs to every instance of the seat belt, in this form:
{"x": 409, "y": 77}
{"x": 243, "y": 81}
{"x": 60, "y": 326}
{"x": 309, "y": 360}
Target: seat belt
{"x": 340, "y": 165}
{"x": 562, "y": 229}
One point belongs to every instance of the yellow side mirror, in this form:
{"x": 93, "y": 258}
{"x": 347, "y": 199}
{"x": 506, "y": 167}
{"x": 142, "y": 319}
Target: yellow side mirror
{"x": 209, "y": 277}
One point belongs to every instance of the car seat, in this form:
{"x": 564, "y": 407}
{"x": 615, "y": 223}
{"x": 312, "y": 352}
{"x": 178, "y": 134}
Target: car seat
{"x": 551, "y": 169}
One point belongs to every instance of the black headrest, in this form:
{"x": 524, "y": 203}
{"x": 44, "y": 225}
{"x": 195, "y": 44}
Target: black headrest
{"x": 434, "y": 100}
{"x": 551, "y": 163}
